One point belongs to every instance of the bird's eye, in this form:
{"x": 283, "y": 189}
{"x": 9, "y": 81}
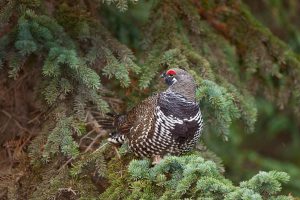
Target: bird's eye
{"x": 171, "y": 72}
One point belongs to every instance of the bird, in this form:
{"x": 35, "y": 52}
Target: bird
{"x": 166, "y": 123}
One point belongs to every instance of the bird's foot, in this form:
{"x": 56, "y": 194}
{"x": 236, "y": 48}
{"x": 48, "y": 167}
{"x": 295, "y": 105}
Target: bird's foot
{"x": 117, "y": 152}
{"x": 156, "y": 159}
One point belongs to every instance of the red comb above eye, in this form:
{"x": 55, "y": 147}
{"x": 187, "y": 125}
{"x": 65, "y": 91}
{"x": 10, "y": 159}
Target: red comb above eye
{"x": 171, "y": 72}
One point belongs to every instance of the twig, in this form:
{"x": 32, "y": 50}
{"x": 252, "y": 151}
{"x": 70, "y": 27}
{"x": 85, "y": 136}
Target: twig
{"x": 25, "y": 142}
{"x": 95, "y": 128}
{"x": 86, "y": 136}
{"x": 95, "y": 125}
{"x": 71, "y": 159}
{"x": 68, "y": 190}
{"x": 15, "y": 120}
{"x": 117, "y": 152}
{"x": 5, "y": 125}
{"x": 101, "y": 147}
{"x": 46, "y": 112}
{"x": 35, "y": 118}
{"x": 92, "y": 143}
{"x": 66, "y": 163}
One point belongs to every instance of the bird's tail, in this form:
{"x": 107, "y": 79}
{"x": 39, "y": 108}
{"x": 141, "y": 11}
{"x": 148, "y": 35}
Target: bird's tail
{"x": 111, "y": 122}
{"x": 108, "y": 122}
{"x": 116, "y": 138}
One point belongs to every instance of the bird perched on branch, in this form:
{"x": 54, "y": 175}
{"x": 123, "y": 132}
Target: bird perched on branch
{"x": 169, "y": 122}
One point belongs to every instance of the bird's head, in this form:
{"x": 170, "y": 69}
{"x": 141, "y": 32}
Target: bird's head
{"x": 180, "y": 81}
{"x": 176, "y": 75}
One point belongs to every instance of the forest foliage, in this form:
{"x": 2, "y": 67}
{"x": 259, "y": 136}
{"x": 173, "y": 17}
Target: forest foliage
{"x": 63, "y": 63}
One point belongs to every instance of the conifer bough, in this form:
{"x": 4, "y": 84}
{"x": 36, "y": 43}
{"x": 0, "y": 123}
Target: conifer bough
{"x": 60, "y": 55}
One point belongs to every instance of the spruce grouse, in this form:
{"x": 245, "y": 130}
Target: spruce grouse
{"x": 167, "y": 123}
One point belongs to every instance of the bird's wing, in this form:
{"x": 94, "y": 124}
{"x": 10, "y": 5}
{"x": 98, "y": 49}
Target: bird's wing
{"x": 182, "y": 115}
{"x": 132, "y": 120}
{"x": 138, "y": 117}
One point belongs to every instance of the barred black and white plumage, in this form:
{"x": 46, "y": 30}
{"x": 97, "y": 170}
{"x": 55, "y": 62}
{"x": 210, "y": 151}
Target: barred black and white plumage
{"x": 167, "y": 123}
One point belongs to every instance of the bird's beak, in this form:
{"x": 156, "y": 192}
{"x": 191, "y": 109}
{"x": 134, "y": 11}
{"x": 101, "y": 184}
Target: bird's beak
{"x": 163, "y": 75}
